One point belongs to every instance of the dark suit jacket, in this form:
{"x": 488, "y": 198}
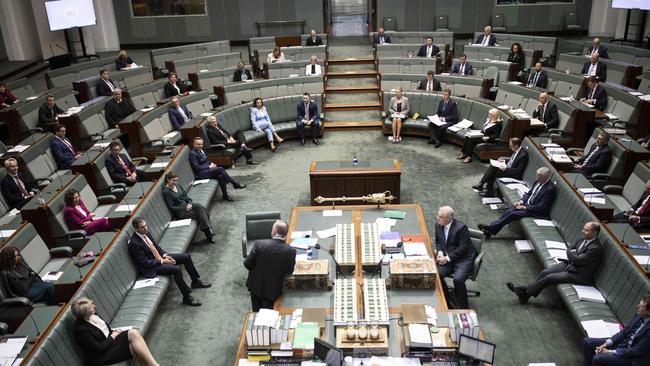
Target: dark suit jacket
{"x": 170, "y": 91}
{"x": 645, "y": 216}
{"x": 599, "y": 163}
{"x": 518, "y": 58}
{"x": 602, "y": 51}
{"x": 115, "y": 170}
{"x": 550, "y": 118}
{"x": 450, "y": 113}
{"x": 103, "y": 89}
{"x": 62, "y": 154}
{"x": 115, "y": 112}
{"x": 200, "y": 164}
{"x": 375, "y": 38}
{"x": 586, "y": 262}
{"x": 313, "y": 111}
{"x": 176, "y": 118}
{"x": 422, "y": 85}
{"x": 423, "y": 51}
{"x": 11, "y": 191}
{"x": 541, "y": 204}
{"x": 639, "y": 351}
{"x": 92, "y": 342}
{"x": 491, "y": 42}
{"x": 143, "y": 257}
{"x": 600, "y": 95}
{"x": 517, "y": 169}
{"x": 120, "y": 64}
{"x": 268, "y": 262}
{"x": 217, "y": 137}
{"x": 601, "y": 70}
{"x": 542, "y": 80}
{"x": 48, "y": 116}
{"x": 310, "y": 42}
{"x": 493, "y": 132}
{"x": 176, "y": 201}
{"x": 238, "y": 72}
{"x": 458, "y": 246}
{"x": 468, "y": 69}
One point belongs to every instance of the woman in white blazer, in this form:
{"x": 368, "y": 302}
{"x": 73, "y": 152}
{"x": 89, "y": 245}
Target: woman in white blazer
{"x": 313, "y": 68}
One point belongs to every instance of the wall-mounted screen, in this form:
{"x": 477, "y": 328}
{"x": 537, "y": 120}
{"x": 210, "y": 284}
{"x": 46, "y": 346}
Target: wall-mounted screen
{"x": 65, "y": 14}
{"x": 631, "y": 4}
{"x": 165, "y": 8}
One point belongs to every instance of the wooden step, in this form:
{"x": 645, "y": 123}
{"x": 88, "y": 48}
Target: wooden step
{"x": 353, "y": 106}
{"x": 351, "y": 74}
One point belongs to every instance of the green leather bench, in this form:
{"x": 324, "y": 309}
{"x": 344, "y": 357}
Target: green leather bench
{"x": 407, "y": 65}
{"x": 65, "y": 76}
{"x": 186, "y": 66}
{"x": 468, "y": 86}
{"x": 239, "y": 93}
{"x": 623, "y": 197}
{"x": 548, "y": 45}
{"x": 160, "y": 55}
{"x": 21, "y": 88}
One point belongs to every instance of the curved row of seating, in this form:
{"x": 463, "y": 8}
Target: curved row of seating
{"x": 159, "y": 56}
{"x": 468, "y": 86}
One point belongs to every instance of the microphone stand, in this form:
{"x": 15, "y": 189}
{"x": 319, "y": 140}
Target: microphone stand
{"x": 339, "y": 271}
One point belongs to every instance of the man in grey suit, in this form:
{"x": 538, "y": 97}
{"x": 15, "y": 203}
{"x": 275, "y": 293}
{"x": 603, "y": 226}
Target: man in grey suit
{"x": 583, "y": 259}
{"x": 268, "y": 262}
{"x": 454, "y": 253}
{"x": 429, "y": 84}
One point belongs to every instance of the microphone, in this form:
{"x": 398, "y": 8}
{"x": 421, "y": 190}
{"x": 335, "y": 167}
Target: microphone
{"x": 141, "y": 189}
{"x": 51, "y": 50}
{"x": 575, "y": 180}
{"x": 336, "y": 264}
{"x": 101, "y": 248}
{"x": 62, "y": 49}
{"x": 625, "y": 232}
{"x": 378, "y": 268}
{"x": 28, "y": 311}
{"x": 144, "y": 105}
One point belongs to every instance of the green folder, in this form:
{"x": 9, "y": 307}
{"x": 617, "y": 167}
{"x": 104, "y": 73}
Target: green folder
{"x": 303, "y": 336}
{"x": 395, "y": 214}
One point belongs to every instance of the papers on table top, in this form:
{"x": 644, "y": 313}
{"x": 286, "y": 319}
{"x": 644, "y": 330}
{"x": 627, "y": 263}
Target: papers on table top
{"x": 635, "y": 93}
{"x": 567, "y": 99}
{"x": 645, "y": 97}
{"x": 301, "y": 257}
{"x": 303, "y": 243}
{"x": 589, "y": 105}
{"x": 19, "y": 148}
{"x": 498, "y": 164}
{"x": 326, "y": 233}
{"x": 589, "y": 293}
{"x": 125, "y": 208}
{"x": 561, "y": 158}
{"x": 147, "y": 282}
{"x": 591, "y": 191}
{"x": 6, "y": 233}
{"x": 474, "y": 133}
{"x": 160, "y": 164}
{"x": 542, "y": 222}
{"x": 523, "y": 246}
{"x": 611, "y": 116}
{"x": 465, "y": 123}
{"x": 557, "y": 253}
{"x": 167, "y": 136}
{"x": 491, "y": 200}
{"x": 200, "y": 181}
{"x": 522, "y": 188}
{"x": 415, "y": 249}
{"x": 435, "y": 120}
{"x": 389, "y": 239}
{"x": 598, "y": 200}
{"x": 191, "y": 92}
{"x": 267, "y": 317}
{"x": 515, "y": 82}
{"x": 146, "y": 109}
{"x": 599, "y": 328}
{"x": 551, "y": 244}
{"x": 332, "y": 213}
{"x": 29, "y": 99}
{"x": 179, "y": 223}
{"x": 419, "y": 333}
{"x": 301, "y": 234}
{"x": 52, "y": 276}
{"x": 536, "y": 122}
{"x": 390, "y": 256}
{"x": 385, "y": 223}
{"x": 504, "y": 107}
{"x": 13, "y": 212}
{"x": 643, "y": 260}
{"x": 12, "y": 347}
{"x": 206, "y": 114}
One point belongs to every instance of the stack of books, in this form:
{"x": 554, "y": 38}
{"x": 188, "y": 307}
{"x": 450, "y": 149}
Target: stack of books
{"x": 463, "y": 323}
{"x": 264, "y": 335}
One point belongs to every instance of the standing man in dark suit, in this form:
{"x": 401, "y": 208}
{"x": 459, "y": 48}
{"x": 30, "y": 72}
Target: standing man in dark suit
{"x": 241, "y": 74}
{"x": 638, "y": 215}
{"x": 105, "y": 85}
{"x": 447, "y": 113}
{"x": 537, "y": 77}
{"x": 307, "y": 111}
{"x": 14, "y": 188}
{"x": 118, "y": 108}
{"x": 535, "y": 203}
{"x": 120, "y": 167}
{"x": 546, "y": 113}
{"x": 597, "y": 49}
{"x": 594, "y": 68}
{"x": 583, "y": 260}
{"x": 152, "y": 261}
{"x": 598, "y": 159}
{"x": 454, "y": 253}
{"x": 205, "y": 169}
{"x": 429, "y": 49}
{"x": 48, "y": 113}
{"x": 268, "y": 263}
{"x": 463, "y": 67}
{"x": 429, "y": 84}
{"x": 381, "y": 37}
{"x": 487, "y": 38}
{"x": 595, "y": 94}
{"x": 630, "y": 346}
{"x": 218, "y": 135}
{"x": 178, "y": 114}
{"x": 514, "y": 168}
{"x": 313, "y": 39}
{"x": 64, "y": 153}
{"x": 174, "y": 86}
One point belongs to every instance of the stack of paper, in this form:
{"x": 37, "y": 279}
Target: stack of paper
{"x": 491, "y": 200}
{"x": 589, "y": 293}
{"x": 200, "y": 181}
{"x": 147, "y": 282}
{"x": 599, "y": 328}
{"x": 303, "y": 243}
{"x": 415, "y": 249}
{"x": 385, "y": 223}
{"x": 419, "y": 335}
{"x": 326, "y": 233}
{"x": 558, "y": 254}
{"x": 179, "y": 223}
{"x": 550, "y": 244}
{"x": 498, "y": 164}
{"x": 474, "y": 133}
{"x": 506, "y": 181}
{"x": 523, "y": 246}
{"x": 301, "y": 234}
{"x": 389, "y": 239}
{"x": 267, "y": 317}
{"x": 52, "y": 276}
{"x": 542, "y": 222}
{"x": 332, "y": 213}
{"x": 435, "y": 120}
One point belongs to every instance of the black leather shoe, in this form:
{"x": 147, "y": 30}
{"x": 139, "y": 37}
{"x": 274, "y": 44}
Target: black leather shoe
{"x": 431, "y": 142}
{"x": 520, "y": 292}
{"x": 209, "y": 235}
{"x": 189, "y": 300}
{"x": 200, "y": 284}
{"x": 486, "y": 194}
{"x": 228, "y": 198}
{"x": 512, "y": 287}
{"x": 302, "y": 142}
{"x": 438, "y": 144}
{"x": 478, "y": 187}
{"x": 239, "y": 186}
{"x": 481, "y": 227}
{"x": 315, "y": 140}
{"x": 252, "y": 162}
{"x": 487, "y": 234}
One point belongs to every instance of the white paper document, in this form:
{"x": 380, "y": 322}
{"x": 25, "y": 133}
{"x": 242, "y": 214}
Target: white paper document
{"x": 558, "y": 253}
{"x": 506, "y": 180}
{"x": 599, "y": 328}
{"x": 597, "y": 200}
{"x": 12, "y": 347}
{"x": 326, "y": 233}
{"x": 124, "y": 328}
{"x": 643, "y": 260}
{"x": 332, "y": 213}
{"x": 19, "y": 148}
{"x": 536, "y": 122}
{"x": 474, "y": 133}
{"x": 147, "y": 282}
{"x": 454, "y": 128}
{"x": 523, "y": 189}
{"x": 415, "y": 249}
{"x": 611, "y": 116}
{"x": 524, "y": 246}
{"x": 589, "y": 293}
{"x": 436, "y": 120}
{"x": 160, "y": 164}
{"x": 419, "y": 333}
{"x": 167, "y": 136}
{"x": 398, "y": 115}
{"x": 6, "y": 233}
{"x": 301, "y": 234}
{"x": 301, "y": 257}
{"x": 551, "y": 244}
{"x": 542, "y": 222}
{"x": 124, "y": 208}
{"x": 491, "y": 200}
{"x": 498, "y": 164}
{"x": 206, "y": 114}
{"x": 146, "y": 109}
{"x": 465, "y": 123}
{"x": 200, "y": 181}
{"x": 52, "y": 276}
{"x": 179, "y": 223}
{"x": 591, "y": 191}
{"x": 13, "y": 212}
{"x": 267, "y": 317}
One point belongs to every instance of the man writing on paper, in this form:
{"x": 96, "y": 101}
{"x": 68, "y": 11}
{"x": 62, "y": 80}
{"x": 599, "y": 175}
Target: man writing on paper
{"x": 514, "y": 168}
{"x": 448, "y": 114}
{"x": 454, "y": 253}
{"x": 639, "y": 214}
{"x": 583, "y": 260}
{"x": 268, "y": 262}
{"x": 598, "y": 159}
{"x": 630, "y": 346}
{"x": 535, "y": 203}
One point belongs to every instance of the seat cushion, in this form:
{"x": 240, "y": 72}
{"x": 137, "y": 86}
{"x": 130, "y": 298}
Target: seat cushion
{"x": 139, "y": 306}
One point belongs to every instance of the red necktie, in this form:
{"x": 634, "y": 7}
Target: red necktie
{"x": 69, "y": 145}
{"x": 126, "y": 168}
{"x": 20, "y": 185}
{"x": 643, "y": 207}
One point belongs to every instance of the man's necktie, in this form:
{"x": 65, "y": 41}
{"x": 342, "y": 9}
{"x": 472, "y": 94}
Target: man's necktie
{"x": 641, "y": 210}
{"x": 153, "y": 249}
{"x": 486, "y": 39}
{"x": 124, "y": 166}
{"x": 462, "y": 69}
{"x": 429, "y": 52}
{"x": 532, "y": 197}
{"x": 21, "y": 186}
{"x": 591, "y": 94}
{"x": 430, "y": 86}
{"x": 581, "y": 246}
{"x": 183, "y": 114}
{"x": 313, "y": 69}
{"x": 446, "y": 233}
{"x": 69, "y": 145}
{"x": 542, "y": 113}
{"x": 307, "y": 112}
{"x": 511, "y": 160}
{"x": 595, "y": 51}
{"x": 535, "y": 79}
{"x": 634, "y": 332}
{"x": 590, "y": 155}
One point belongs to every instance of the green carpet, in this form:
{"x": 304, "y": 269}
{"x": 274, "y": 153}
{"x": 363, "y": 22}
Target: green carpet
{"x": 540, "y": 331}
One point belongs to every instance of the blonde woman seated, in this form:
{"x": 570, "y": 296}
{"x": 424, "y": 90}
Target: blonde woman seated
{"x": 491, "y": 131}
{"x": 313, "y": 68}
{"x": 399, "y": 111}
{"x": 102, "y": 345}
{"x": 275, "y": 56}
{"x": 262, "y": 122}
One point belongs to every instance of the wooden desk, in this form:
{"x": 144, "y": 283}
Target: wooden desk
{"x": 341, "y": 178}
{"x": 603, "y": 212}
{"x": 625, "y": 236}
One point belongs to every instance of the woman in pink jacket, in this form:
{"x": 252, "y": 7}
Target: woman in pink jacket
{"x": 78, "y": 217}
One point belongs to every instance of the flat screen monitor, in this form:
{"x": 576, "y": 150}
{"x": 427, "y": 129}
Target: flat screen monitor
{"x": 476, "y": 349}
{"x": 327, "y": 353}
{"x": 65, "y": 14}
{"x": 631, "y": 4}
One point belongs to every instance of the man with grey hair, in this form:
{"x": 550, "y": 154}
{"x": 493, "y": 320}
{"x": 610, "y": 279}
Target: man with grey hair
{"x": 546, "y": 112}
{"x": 487, "y": 38}
{"x": 218, "y": 135}
{"x": 268, "y": 262}
{"x": 454, "y": 253}
{"x": 597, "y": 159}
{"x": 535, "y": 203}
{"x": 16, "y": 191}
{"x": 118, "y": 108}
{"x": 313, "y": 40}
{"x": 583, "y": 260}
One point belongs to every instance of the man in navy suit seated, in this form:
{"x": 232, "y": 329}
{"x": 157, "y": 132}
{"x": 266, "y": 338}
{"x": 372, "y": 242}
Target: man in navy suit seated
{"x": 536, "y": 203}
{"x": 448, "y": 114}
{"x": 16, "y": 191}
{"x": 152, "y": 261}
{"x": 598, "y": 159}
{"x": 105, "y": 85}
{"x": 630, "y": 346}
{"x": 178, "y": 114}
{"x": 595, "y": 68}
{"x": 537, "y": 77}
{"x": 429, "y": 49}
{"x": 205, "y": 169}
{"x": 454, "y": 253}
{"x": 381, "y": 37}
{"x": 463, "y": 67}
{"x": 597, "y": 49}
{"x": 595, "y": 94}
{"x": 120, "y": 167}
{"x": 487, "y": 38}
{"x": 308, "y": 117}
{"x": 64, "y": 153}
